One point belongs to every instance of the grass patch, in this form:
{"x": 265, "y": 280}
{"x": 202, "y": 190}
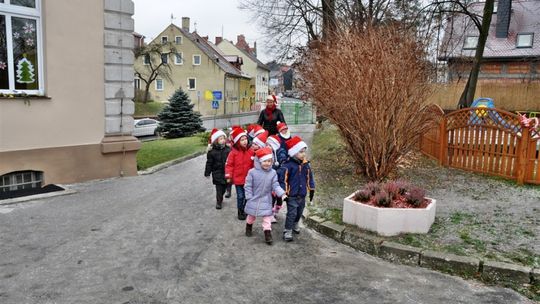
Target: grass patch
{"x": 150, "y": 108}
{"x": 159, "y": 151}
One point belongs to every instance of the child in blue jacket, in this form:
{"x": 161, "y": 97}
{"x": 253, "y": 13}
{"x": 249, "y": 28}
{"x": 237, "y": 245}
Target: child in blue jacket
{"x": 296, "y": 178}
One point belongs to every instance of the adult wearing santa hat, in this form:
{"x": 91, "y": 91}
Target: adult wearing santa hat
{"x": 270, "y": 116}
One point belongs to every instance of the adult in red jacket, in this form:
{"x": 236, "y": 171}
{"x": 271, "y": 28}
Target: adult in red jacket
{"x": 238, "y": 164}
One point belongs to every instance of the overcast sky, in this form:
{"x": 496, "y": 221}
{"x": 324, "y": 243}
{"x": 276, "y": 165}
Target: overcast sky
{"x": 211, "y": 16}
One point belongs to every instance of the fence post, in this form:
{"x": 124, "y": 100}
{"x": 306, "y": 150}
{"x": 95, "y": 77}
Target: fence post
{"x": 523, "y": 145}
{"x": 443, "y": 147}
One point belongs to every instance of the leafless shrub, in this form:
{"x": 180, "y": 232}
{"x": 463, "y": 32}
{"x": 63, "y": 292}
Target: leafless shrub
{"x": 373, "y": 86}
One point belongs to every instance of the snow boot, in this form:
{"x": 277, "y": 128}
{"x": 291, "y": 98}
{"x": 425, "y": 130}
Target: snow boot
{"x": 268, "y": 237}
{"x": 296, "y": 228}
{"x": 241, "y": 214}
{"x": 287, "y": 235}
{"x": 249, "y": 229}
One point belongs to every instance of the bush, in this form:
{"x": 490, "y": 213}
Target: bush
{"x": 373, "y": 188}
{"x": 415, "y": 196}
{"x": 373, "y": 86}
{"x": 362, "y": 195}
{"x": 394, "y": 194}
{"x": 383, "y": 199}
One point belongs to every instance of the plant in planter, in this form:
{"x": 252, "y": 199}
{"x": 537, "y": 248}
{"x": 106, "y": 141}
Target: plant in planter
{"x": 391, "y": 208}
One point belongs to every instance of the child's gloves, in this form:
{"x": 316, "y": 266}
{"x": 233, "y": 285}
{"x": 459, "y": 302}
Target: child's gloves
{"x": 228, "y": 180}
{"x": 311, "y": 193}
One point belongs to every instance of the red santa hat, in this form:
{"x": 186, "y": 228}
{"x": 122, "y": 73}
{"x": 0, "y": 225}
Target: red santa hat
{"x": 295, "y": 145}
{"x": 260, "y": 140}
{"x": 264, "y": 154}
{"x": 255, "y": 130}
{"x": 272, "y": 97}
{"x": 281, "y": 125}
{"x": 237, "y": 133}
{"x": 215, "y": 134}
{"x": 274, "y": 142}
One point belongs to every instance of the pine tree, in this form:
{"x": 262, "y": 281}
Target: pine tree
{"x": 178, "y": 118}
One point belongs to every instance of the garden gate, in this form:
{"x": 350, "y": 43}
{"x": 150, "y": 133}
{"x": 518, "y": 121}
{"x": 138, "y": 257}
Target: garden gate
{"x": 485, "y": 140}
{"x": 298, "y": 112}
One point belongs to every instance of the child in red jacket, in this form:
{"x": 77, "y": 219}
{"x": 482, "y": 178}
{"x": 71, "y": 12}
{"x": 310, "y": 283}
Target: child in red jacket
{"x": 238, "y": 164}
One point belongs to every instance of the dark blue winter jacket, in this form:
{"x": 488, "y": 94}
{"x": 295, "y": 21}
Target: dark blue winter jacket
{"x": 296, "y": 177}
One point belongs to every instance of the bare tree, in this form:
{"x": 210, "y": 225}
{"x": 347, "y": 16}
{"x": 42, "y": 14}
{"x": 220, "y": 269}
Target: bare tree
{"x": 153, "y": 66}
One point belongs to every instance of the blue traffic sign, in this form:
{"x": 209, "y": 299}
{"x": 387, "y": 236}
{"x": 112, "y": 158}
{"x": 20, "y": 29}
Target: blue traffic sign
{"x": 217, "y": 95}
{"x": 215, "y": 104}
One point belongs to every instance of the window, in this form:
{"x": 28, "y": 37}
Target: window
{"x": 470, "y": 42}
{"x": 137, "y": 83}
{"x": 178, "y": 39}
{"x": 524, "y": 40}
{"x": 165, "y": 58}
{"x": 146, "y": 59}
{"x": 178, "y": 58}
{"x": 20, "y": 47}
{"x": 196, "y": 59}
{"x": 192, "y": 84}
{"x": 164, "y": 39}
{"x": 159, "y": 84}
{"x": 20, "y": 180}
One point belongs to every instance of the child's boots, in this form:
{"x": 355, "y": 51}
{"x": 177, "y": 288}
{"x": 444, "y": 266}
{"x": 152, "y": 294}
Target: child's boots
{"x": 268, "y": 236}
{"x": 249, "y": 229}
{"x": 287, "y": 235}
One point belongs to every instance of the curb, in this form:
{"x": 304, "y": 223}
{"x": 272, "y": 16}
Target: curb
{"x": 164, "y": 165}
{"x": 467, "y": 267}
{"x": 23, "y": 199}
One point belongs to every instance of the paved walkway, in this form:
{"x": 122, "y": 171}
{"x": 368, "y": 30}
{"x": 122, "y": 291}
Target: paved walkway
{"x": 158, "y": 239}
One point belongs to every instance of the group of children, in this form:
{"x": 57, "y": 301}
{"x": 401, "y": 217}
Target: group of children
{"x": 265, "y": 170}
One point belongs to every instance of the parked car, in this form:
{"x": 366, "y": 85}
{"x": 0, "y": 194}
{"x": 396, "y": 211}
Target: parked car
{"x": 145, "y": 127}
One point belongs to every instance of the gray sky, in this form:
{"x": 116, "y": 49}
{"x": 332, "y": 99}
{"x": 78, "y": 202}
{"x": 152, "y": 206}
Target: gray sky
{"x": 152, "y": 16}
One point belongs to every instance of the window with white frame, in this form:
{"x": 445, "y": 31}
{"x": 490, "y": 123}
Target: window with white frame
{"x": 524, "y": 40}
{"x": 159, "y": 84}
{"x": 179, "y": 58}
{"x": 21, "y": 51}
{"x": 146, "y": 59}
{"x": 164, "y": 39}
{"x": 178, "y": 39}
{"x": 192, "y": 84}
{"x": 137, "y": 83}
{"x": 20, "y": 180}
{"x": 470, "y": 42}
{"x": 196, "y": 59}
{"x": 165, "y": 58}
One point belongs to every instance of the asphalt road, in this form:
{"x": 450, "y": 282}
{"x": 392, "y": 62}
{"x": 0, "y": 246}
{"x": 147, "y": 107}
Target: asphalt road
{"x": 158, "y": 239}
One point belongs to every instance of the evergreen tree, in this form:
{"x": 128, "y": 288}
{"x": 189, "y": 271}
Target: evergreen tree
{"x": 178, "y": 118}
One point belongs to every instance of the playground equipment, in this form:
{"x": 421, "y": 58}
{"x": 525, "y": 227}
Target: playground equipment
{"x": 483, "y": 112}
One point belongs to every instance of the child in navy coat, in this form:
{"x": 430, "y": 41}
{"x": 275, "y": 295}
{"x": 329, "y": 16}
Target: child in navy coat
{"x": 296, "y": 178}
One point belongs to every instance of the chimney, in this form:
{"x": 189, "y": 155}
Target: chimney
{"x": 205, "y": 38}
{"x": 240, "y": 39}
{"x": 255, "y": 48}
{"x": 218, "y": 40}
{"x": 185, "y": 24}
{"x": 504, "y": 10}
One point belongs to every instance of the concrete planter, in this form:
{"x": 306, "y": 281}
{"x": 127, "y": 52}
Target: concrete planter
{"x": 388, "y": 221}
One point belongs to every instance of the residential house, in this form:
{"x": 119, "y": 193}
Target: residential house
{"x": 281, "y": 77}
{"x": 197, "y": 68}
{"x": 65, "y": 107}
{"x": 257, "y": 70}
{"x": 512, "y": 50}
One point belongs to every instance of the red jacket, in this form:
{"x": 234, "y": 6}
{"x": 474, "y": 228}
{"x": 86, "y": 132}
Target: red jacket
{"x": 238, "y": 164}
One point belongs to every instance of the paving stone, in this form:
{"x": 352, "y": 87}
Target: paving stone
{"x": 450, "y": 263}
{"x": 361, "y": 241}
{"x": 402, "y": 254}
{"x": 505, "y": 272}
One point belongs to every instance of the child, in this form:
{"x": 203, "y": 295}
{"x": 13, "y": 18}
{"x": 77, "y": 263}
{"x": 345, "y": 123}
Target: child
{"x": 260, "y": 182}
{"x": 253, "y": 131}
{"x": 238, "y": 164}
{"x": 215, "y": 164}
{"x": 284, "y": 134}
{"x": 297, "y": 178}
{"x": 259, "y": 141}
{"x": 280, "y": 156}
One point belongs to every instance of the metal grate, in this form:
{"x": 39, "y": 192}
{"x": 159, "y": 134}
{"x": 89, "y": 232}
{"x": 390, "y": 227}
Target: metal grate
{"x": 21, "y": 180}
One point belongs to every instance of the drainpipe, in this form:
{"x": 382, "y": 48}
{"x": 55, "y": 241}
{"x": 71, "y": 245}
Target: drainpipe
{"x": 225, "y": 94}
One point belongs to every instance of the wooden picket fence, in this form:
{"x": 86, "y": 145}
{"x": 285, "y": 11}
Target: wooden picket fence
{"x": 489, "y": 141}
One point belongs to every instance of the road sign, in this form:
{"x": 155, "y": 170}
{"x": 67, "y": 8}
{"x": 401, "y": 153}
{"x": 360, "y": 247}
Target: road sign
{"x": 215, "y": 104}
{"x": 217, "y": 95}
{"x": 208, "y": 95}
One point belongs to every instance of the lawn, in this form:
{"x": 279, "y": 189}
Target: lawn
{"x": 477, "y": 215}
{"x": 148, "y": 109}
{"x": 159, "y": 151}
